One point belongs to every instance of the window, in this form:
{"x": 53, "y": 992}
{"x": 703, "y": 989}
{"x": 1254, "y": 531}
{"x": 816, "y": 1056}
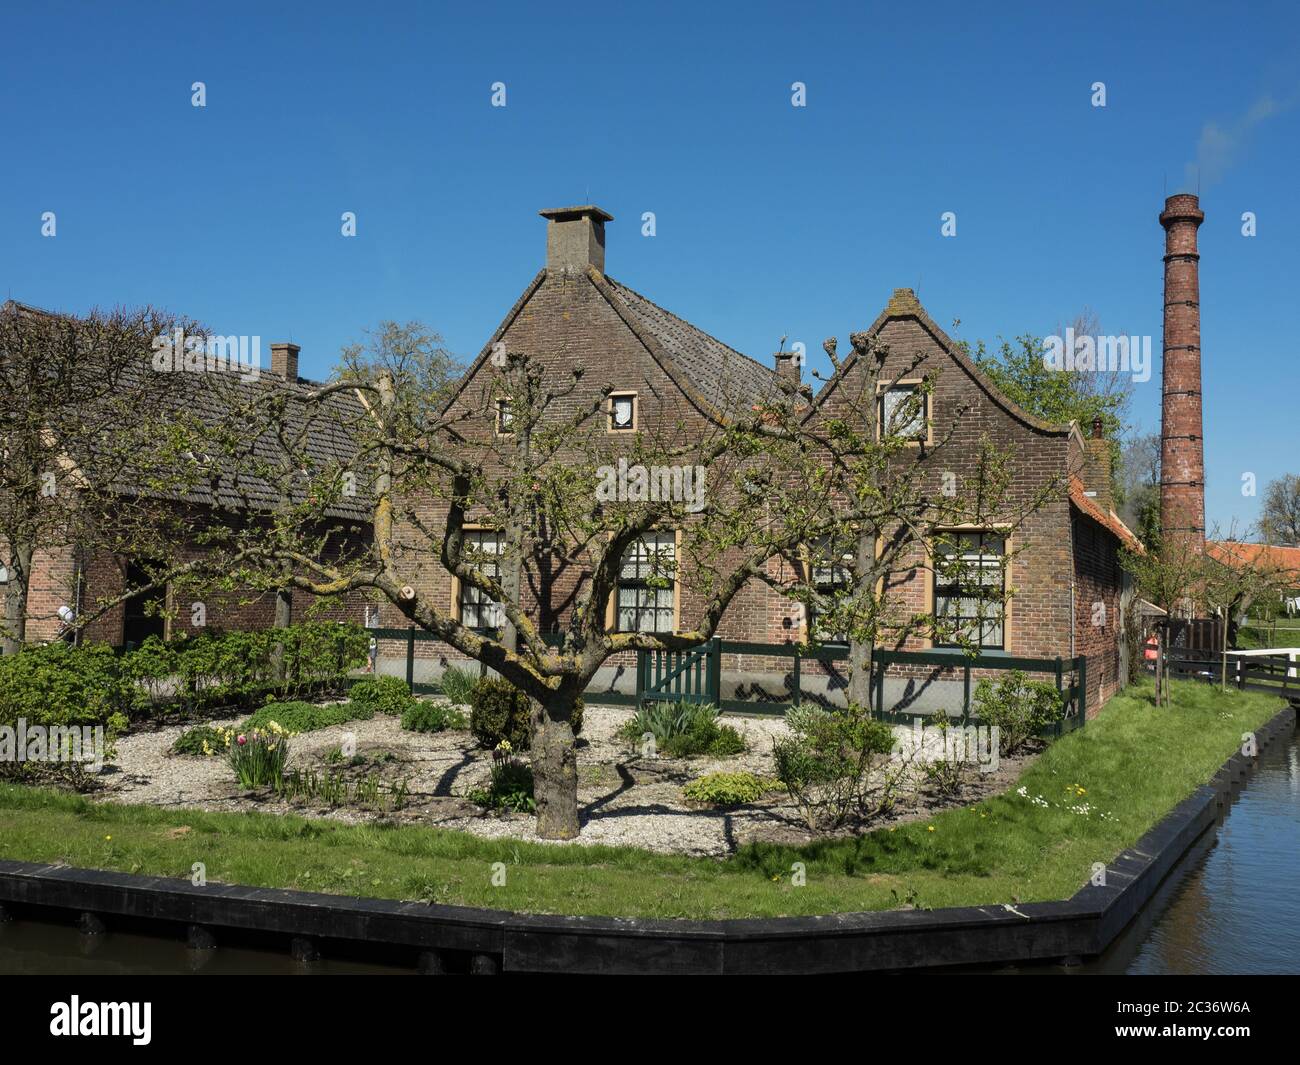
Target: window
{"x": 622, "y": 412}
{"x": 896, "y": 419}
{"x": 504, "y": 417}
{"x": 4, "y": 574}
{"x": 477, "y": 610}
{"x": 647, "y": 584}
{"x": 829, "y": 576}
{"x": 969, "y": 595}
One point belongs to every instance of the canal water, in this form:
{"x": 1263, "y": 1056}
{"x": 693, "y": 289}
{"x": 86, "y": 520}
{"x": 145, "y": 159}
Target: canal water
{"x": 1231, "y": 907}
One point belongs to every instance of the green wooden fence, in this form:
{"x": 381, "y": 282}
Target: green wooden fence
{"x": 695, "y": 674}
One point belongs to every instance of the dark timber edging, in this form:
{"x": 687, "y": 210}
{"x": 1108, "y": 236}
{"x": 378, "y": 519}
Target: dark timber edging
{"x": 1080, "y": 927}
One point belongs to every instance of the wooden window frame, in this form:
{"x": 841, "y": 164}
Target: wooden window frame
{"x": 609, "y": 412}
{"x": 998, "y": 529}
{"x": 456, "y": 583}
{"x": 914, "y": 383}
{"x": 611, "y": 605}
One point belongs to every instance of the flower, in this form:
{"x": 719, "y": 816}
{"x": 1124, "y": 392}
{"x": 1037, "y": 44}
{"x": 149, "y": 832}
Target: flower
{"x": 929, "y": 828}
{"x": 241, "y": 739}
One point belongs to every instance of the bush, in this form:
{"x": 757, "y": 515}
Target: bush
{"x": 423, "y": 716}
{"x": 382, "y": 695}
{"x": 683, "y": 730}
{"x": 510, "y": 786}
{"x": 299, "y": 717}
{"x": 59, "y": 684}
{"x": 826, "y": 760}
{"x": 500, "y": 711}
{"x": 1020, "y": 708}
{"x": 458, "y": 685}
{"x": 202, "y": 739}
{"x": 726, "y": 789}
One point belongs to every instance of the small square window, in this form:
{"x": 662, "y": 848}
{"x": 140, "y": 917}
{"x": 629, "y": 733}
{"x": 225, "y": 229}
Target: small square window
{"x": 622, "y": 412}
{"x": 904, "y": 411}
{"x": 504, "y": 417}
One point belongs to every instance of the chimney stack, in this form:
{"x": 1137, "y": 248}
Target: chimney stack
{"x": 284, "y": 360}
{"x": 575, "y": 237}
{"x": 788, "y": 368}
{"x": 1182, "y": 458}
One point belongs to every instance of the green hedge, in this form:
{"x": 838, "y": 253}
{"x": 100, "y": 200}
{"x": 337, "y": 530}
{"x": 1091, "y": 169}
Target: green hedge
{"x": 90, "y": 684}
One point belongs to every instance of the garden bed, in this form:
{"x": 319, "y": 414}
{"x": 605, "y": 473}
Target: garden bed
{"x": 624, "y": 799}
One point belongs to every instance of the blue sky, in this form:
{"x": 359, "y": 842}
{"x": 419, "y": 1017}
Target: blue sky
{"x": 772, "y": 220}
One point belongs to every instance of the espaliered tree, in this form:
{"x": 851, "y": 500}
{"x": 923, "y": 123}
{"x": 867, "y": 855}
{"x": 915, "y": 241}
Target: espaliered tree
{"x": 81, "y": 429}
{"x": 900, "y": 488}
{"x": 510, "y": 486}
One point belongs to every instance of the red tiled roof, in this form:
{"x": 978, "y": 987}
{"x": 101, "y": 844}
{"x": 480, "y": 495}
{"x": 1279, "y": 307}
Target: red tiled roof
{"x": 1108, "y": 520}
{"x": 1283, "y": 559}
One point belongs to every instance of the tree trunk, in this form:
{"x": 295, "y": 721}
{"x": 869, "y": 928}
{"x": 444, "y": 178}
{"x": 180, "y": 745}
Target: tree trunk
{"x": 283, "y": 619}
{"x": 15, "y": 595}
{"x": 555, "y": 768}
{"x": 860, "y": 651}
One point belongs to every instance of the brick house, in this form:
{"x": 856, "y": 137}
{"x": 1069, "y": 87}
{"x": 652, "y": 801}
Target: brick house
{"x": 1067, "y": 589}
{"x": 76, "y": 576}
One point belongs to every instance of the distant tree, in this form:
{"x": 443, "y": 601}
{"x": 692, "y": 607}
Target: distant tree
{"x": 1141, "y": 475}
{"x": 1280, "y": 520}
{"x": 1024, "y": 376}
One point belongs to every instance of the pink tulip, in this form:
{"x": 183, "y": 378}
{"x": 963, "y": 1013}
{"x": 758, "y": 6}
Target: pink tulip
{"x": 241, "y": 740}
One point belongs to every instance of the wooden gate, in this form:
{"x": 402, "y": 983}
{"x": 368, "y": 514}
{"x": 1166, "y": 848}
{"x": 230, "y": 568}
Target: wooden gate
{"x": 690, "y": 676}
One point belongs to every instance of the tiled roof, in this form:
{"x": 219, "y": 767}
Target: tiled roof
{"x": 1268, "y": 556}
{"x": 1107, "y": 519}
{"x": 726, "y": 379}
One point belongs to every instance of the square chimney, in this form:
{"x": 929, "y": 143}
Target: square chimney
{"x": 284, "y": 360}
{"x": 575, "y": 237}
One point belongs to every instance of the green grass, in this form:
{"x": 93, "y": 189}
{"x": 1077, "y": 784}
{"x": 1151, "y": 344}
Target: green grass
{"x": 1286, "y": 634}
{"x": 1134, "y": 763}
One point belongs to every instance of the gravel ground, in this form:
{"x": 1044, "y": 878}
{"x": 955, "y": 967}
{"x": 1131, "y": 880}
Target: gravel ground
{"x": 625, "y": 800}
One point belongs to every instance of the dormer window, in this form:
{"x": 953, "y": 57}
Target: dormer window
{"x": 622, "y": 412}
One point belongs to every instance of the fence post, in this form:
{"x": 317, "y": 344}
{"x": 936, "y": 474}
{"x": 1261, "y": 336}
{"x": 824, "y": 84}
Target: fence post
{"x": 878, "y": 666}
{"x": 410, "y": 658}
{"x": 965, "y": 706}
{"x": 797, "y": 694}
{"x": 1083, "y": 690}
{"x": 715, "y": 671}
{"x": 1060, "y": 690}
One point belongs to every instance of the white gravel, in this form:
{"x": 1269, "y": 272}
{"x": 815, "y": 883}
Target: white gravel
{"x": 624, "y": 800}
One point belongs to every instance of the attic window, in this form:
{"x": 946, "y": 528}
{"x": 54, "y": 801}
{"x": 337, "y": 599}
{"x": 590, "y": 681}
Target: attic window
{"x": 904, "y": 411}
{"x": 622, "y": 412}
{"x": 504, "y": 417}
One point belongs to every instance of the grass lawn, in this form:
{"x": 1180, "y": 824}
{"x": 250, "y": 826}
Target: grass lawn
{"x": 1093, "y": 793}
{"x": 1286, "y": 634}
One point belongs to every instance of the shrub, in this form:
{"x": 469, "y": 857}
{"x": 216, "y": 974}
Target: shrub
{"x": 458, "y": 685}
{"x": 500, "y": 711}
{"x": 258, "y": 756}
{"x": 683, "y": 730}
{"x": 382, "y": 695}
{"x": 299, "y": 717}
{"x": 945, "y": 775}
{"x": 59, "y": 684}
{"x": 726, "y": 789}
{"x": 510, "y": 786}
{"x": 202, "y": 739}
{"x": 1020, "y": 708}
{"x": 826, "y": 759}
{"x": 423, "y": 716}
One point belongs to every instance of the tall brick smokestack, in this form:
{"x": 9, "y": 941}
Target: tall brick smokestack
{"x": 1182, "y": 458}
